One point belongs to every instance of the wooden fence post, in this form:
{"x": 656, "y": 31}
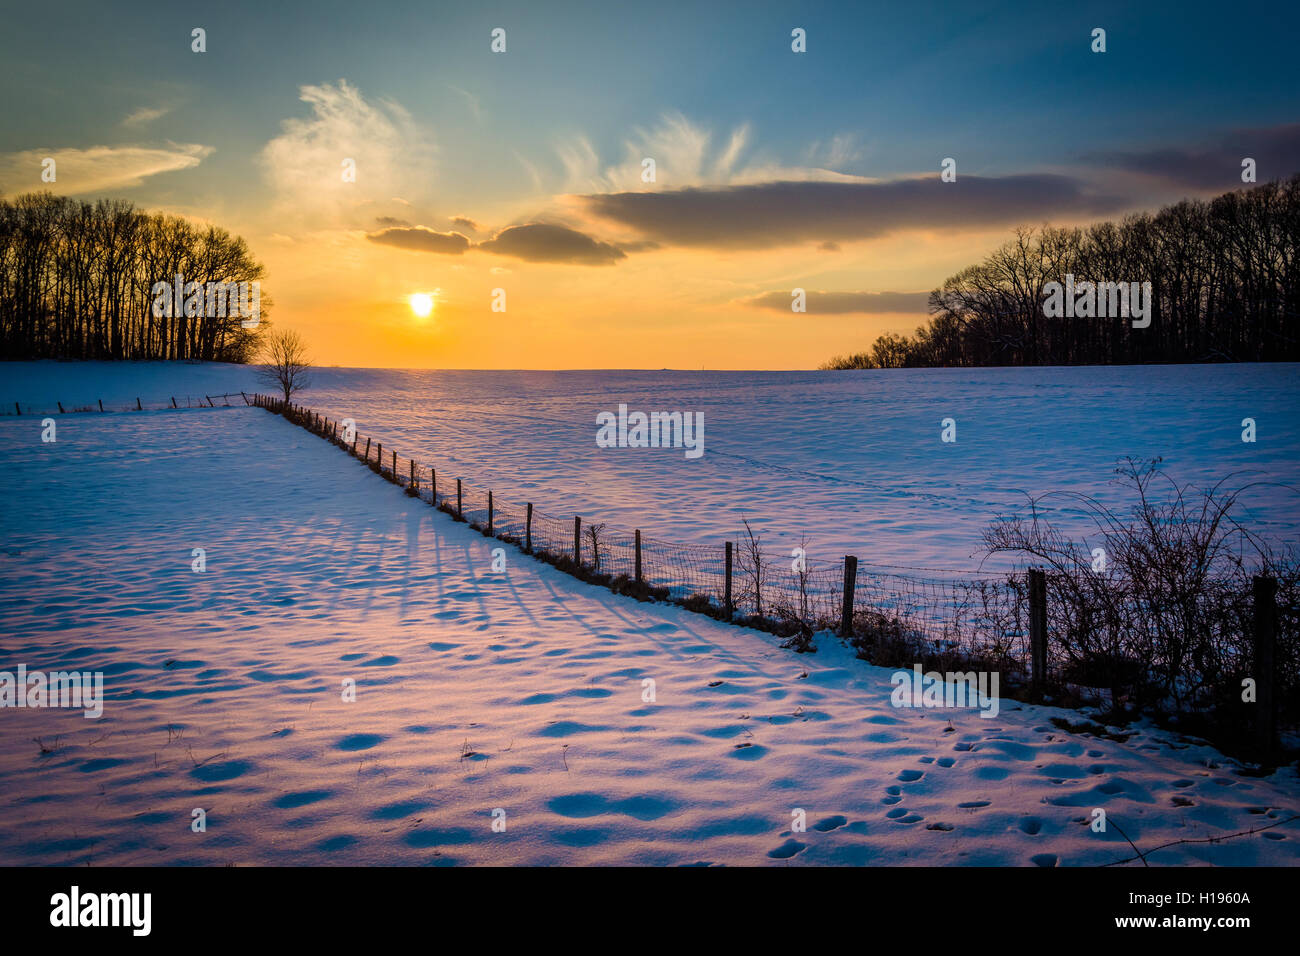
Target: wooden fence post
{"x": 1037, "y": 627}
{"x": 433, "y": 486}
{"x": 726, "y": 591}
{"x": 138, "y": 406}
{"x": 379, "y": 456}
{"x": 396, "y": 480}
{"x": 490, "y": 513}
{"x": 245, "y": 398}
{"x": 17, "y": 410}
{"x": 413, "y": 474}
{"x": 367, "y": 449}
{"x": 528, "y": 530}
{"x": 577, "y": 539}
{"x": 850, "y": 588}
{"x": 60, "y": 404}
{"x": 459, "y": 511}
{"x": 1265, "y": 659}
{"x": 101, "y": 404}
{"x": 638, "y": 555}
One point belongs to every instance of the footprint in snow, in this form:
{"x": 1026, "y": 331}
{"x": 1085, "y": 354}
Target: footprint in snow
{"x": 830, "y": 823}
{"x": 786, "y": 850}
{"x": 910, "y": 776}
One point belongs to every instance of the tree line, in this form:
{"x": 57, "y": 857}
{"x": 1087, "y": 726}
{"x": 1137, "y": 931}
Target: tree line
{"x": 76, "y": 280}
{"x": 1225, "y": 287}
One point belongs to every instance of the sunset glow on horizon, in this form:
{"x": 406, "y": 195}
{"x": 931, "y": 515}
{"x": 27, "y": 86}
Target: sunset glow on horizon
{"x": 600, "y": 217}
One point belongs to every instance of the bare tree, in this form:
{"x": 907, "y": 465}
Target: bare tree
{"x": 286, "y": 363}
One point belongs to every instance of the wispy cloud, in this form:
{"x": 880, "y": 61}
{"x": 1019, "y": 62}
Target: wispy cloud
{"x": 471, "y": 101}
{"x": 145, "y": 115}
{"x": 304, "y": 164}
{"x": 686, "y": 153}
{"x": 97, "y": 168}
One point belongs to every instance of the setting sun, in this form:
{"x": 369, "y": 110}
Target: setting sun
{"x": 421, "y": 304}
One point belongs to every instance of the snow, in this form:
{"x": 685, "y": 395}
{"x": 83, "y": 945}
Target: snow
{"x": 848, "y": 462}
{"x": 522, "y": 689}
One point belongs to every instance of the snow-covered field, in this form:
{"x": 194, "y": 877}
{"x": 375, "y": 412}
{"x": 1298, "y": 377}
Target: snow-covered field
{"x": 523, "y": 689}
{"x": 853, "y": 462}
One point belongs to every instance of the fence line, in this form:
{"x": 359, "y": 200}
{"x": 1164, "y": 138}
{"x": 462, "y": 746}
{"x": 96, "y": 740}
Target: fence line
{"x": 185, "y": 401}
{"x": 1019, "y": 623}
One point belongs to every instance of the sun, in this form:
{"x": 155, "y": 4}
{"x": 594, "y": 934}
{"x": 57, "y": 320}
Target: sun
{"x": 421, "y": 303}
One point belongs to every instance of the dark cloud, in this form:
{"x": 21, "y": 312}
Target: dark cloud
{"x": 1276, "y": 151}
{"x": 385, "y": 222}
{"x": 543, "y": 242}
{"x": 842, "y": 303}
{"x": 465, "y": 223}
{"x": 785, "y": 213}
{"x": 421, "y": 239}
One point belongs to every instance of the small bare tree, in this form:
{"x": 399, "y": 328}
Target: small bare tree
{"x": 753, "y": 549}
{"x": 286, "y": 363}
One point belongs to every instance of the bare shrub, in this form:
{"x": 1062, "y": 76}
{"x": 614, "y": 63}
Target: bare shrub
{"x": 1166, "y": 622}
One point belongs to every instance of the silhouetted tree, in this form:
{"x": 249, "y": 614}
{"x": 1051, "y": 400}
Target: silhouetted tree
{"x": 76, "y": 281}
{"x": 1225, "y": 286}
{"x": 286, "y": 363}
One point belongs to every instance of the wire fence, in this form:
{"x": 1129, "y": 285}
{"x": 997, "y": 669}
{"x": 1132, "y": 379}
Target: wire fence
{"x": 226, "y": 400}
{"x": 1035, "y": 628}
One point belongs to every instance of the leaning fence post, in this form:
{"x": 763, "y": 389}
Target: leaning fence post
{"x": 638, "y": 555}
{"x": 60, "y": 404}
{"x": 367, "y": 449}
{"x": 490, "y": 514}
{"x": 101, "y": 404}
{"x": 528, "y": 530}
{"x": 138, "y": 406}
{"x": 577, "y": 539}
{"x": 1265, "y": 659}
{"x": 1037, "y": 626}
{"x": 850, "y": 586}
{"x": 460, "y": 513}
{"x": 726, "y": 591}
{"x": 245, "y": 398}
